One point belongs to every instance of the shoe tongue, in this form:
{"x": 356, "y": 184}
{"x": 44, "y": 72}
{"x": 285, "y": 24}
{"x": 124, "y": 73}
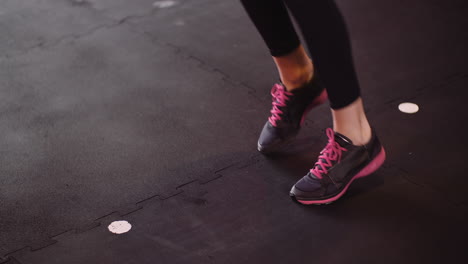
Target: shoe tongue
{"x": 342, "y": 140}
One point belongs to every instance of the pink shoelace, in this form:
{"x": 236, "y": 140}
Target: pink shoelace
{"x": 332, "y": 152}
{"x": 280, "y": 96}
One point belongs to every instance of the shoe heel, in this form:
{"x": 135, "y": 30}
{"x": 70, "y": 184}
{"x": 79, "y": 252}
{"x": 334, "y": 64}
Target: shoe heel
{"x": 317, "y": 101}
{"x": 373, "y": 165}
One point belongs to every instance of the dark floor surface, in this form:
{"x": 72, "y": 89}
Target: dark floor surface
{"x": 123, "y": 110}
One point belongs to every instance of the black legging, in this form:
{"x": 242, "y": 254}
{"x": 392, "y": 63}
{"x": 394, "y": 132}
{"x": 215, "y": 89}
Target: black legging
{"x": 326, "y": 36}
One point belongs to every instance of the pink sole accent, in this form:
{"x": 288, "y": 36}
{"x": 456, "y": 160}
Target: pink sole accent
{"x": 317, "y": 101}
{"x": 369, "y": 169}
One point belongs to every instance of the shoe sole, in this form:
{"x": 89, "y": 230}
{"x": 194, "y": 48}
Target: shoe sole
{"x": 373, "y": 166}
{"x": 316, "y": 102}
{"x": 275, "y": 148}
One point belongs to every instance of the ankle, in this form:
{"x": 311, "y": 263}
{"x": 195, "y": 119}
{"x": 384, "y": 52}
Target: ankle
{"x": 359, "y": 135}
{"x": 363, "y": 135}
{"x": 292, "y": 83}
{"x": 295, "y": 69}
{"x": 352, "y": 122}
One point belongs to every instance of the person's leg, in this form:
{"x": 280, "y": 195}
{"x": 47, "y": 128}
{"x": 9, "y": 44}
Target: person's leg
{"x": 272, "y": 21}
{"x": 353, "y": 150}
{"x": 325, "y": 33}
{"x": 299, "y": 91}
{"x": 352, "y": 122}
{"x": 295, "y": 68}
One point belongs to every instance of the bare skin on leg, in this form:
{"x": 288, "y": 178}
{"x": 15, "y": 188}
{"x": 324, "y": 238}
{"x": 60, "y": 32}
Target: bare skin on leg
{"x": 295, "y": 69}
{"x": 352, "y": 122}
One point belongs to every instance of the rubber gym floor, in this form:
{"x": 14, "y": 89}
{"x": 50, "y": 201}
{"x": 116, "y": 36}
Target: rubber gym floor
{"x": 149, "y": 112}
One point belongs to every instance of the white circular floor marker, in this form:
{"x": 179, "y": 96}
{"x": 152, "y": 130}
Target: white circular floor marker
{"x": 119, "y": 227}
{"x": 164, "y": 4}
{"x": 408, "y": 108}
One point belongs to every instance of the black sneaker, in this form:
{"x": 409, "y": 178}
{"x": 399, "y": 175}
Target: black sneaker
{"x": 338, "y": 165}
{"x": 288, "y": 113}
